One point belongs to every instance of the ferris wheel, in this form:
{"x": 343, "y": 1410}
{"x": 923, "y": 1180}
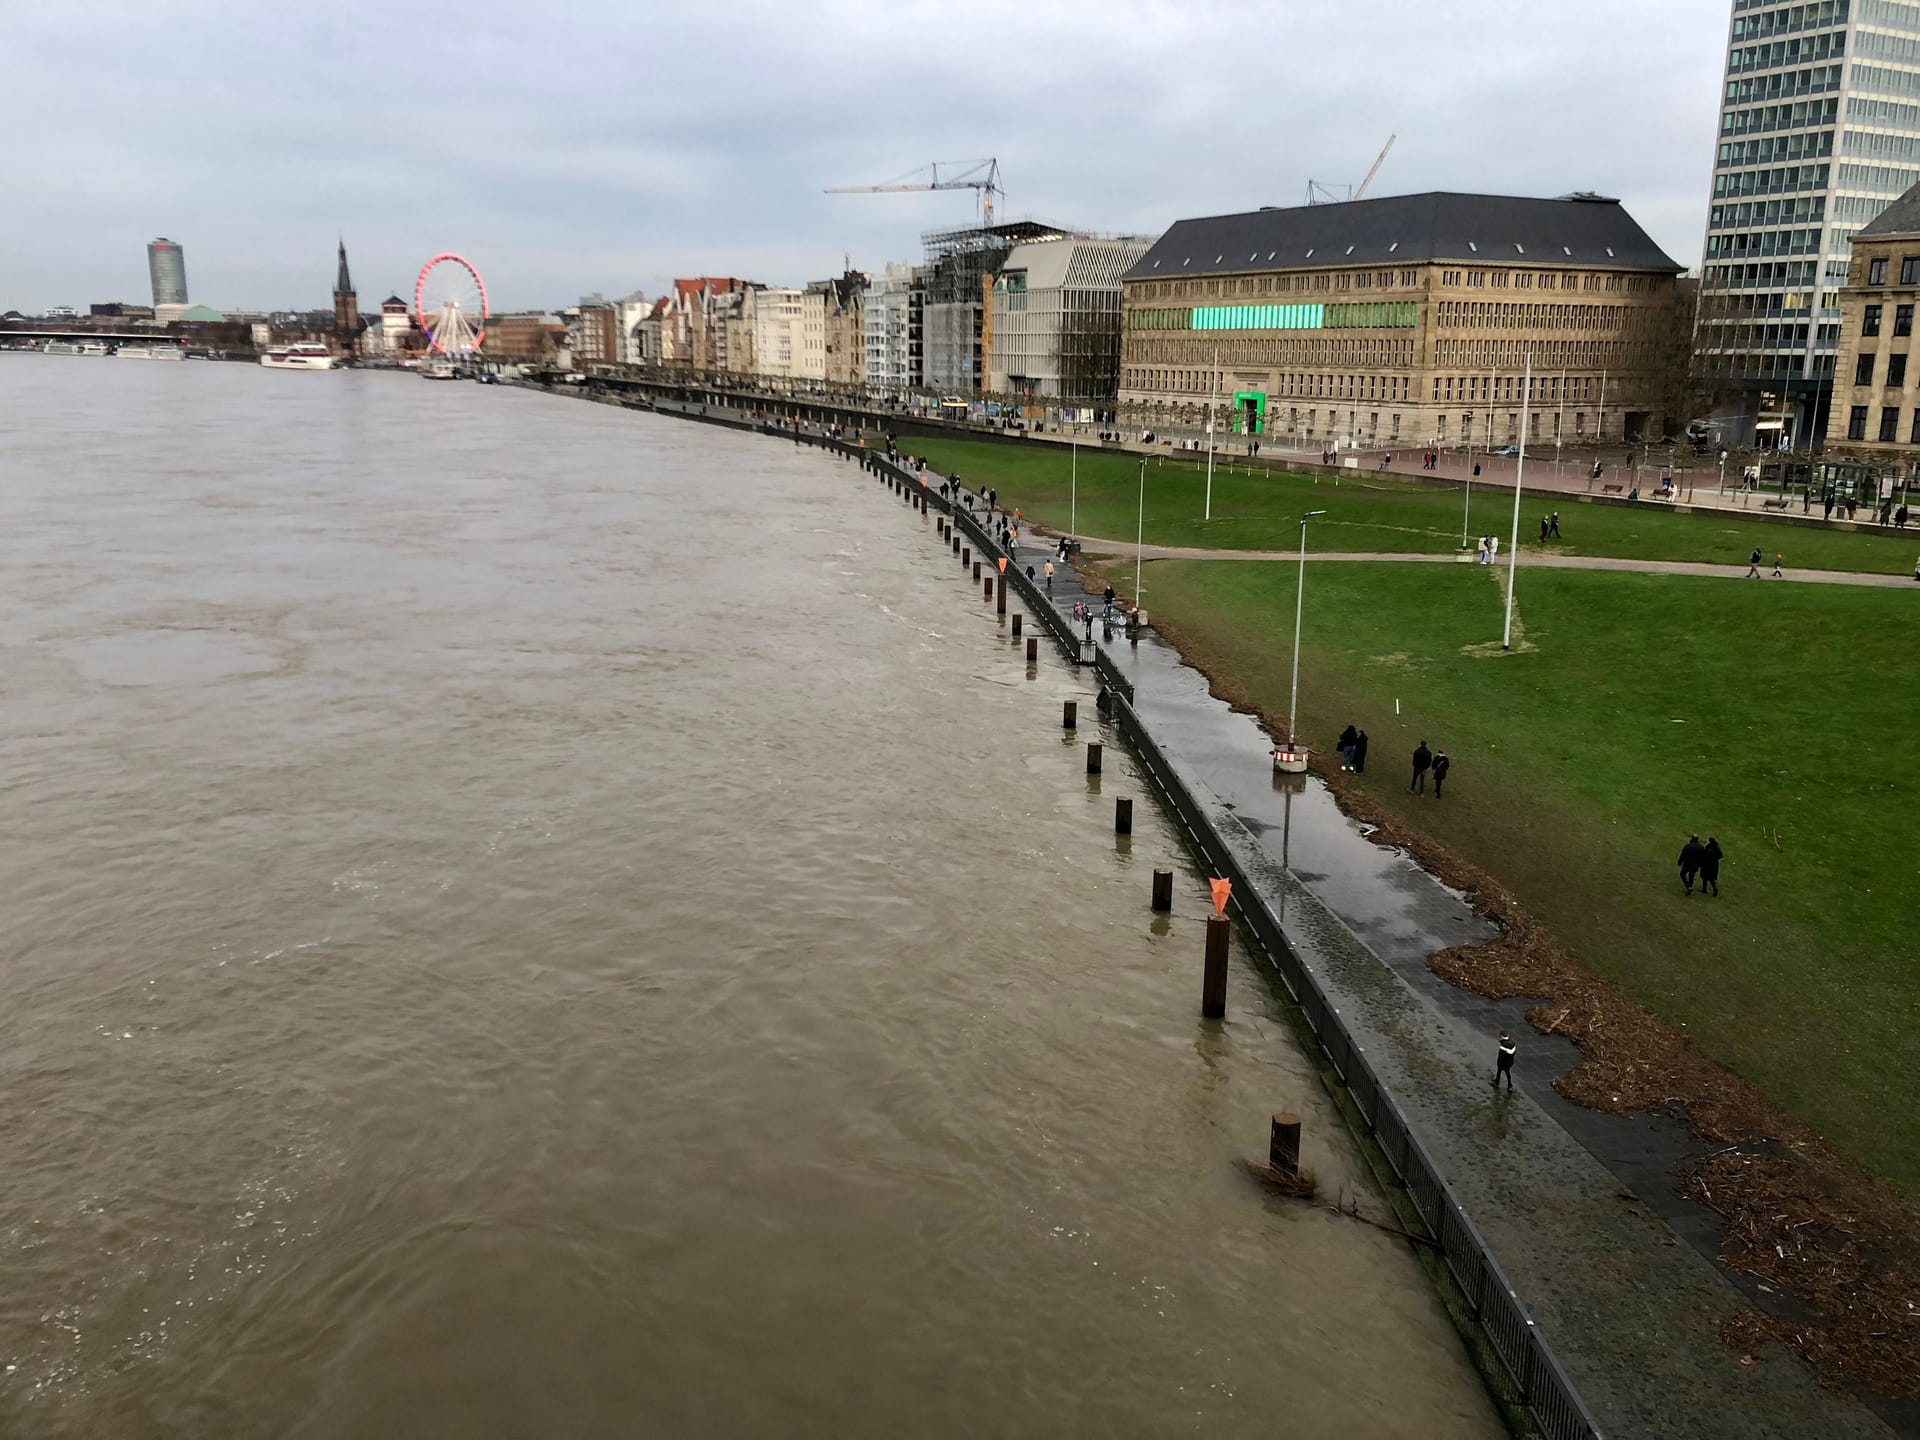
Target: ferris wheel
{"x": 450, "y": 301}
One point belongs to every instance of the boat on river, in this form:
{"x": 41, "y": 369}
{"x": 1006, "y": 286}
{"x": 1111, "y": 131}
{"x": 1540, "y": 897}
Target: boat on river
{"x": 151, "y": 352}
{"x": 306, "y": 355}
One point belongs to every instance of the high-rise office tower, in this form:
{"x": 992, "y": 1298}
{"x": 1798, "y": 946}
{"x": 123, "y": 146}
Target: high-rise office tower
{"x": 167, "y": 268}
{"x": 1819, "y": 132}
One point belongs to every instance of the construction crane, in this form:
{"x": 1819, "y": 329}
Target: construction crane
{"x": 982, "y": 176}
{"x": 1322, "y": 194}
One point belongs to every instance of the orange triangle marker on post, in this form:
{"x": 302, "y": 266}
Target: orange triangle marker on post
{"x": 1221, "y": 890}
{"x": 1003, "y": 564}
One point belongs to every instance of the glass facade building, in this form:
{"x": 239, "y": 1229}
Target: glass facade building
{"x": 167, "y": 269}
{"x": 1819, "y": 132}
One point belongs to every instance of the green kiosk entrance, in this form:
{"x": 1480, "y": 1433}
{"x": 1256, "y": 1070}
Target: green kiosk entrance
{"x": 1249, "y": 412}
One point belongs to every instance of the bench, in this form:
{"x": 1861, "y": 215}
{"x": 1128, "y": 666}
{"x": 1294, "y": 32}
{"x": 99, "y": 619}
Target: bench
{"x": 1613, "y": 489}
{"x": 1779, "y": 502}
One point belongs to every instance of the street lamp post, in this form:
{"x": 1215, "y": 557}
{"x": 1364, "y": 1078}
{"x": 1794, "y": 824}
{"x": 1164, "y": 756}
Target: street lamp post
{"x": 1466, "y": 511}
{"x": 1292, "y": 760}
{"x": 1073, "y": 493}
{"x": 1519, "y": 470}
{"x": 1213, "y": 391}
{"x": 1140, "y": 531}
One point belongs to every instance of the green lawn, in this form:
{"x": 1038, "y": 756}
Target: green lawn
{"x": 1634, "y": 709}
{"x": 1374, "y": 513}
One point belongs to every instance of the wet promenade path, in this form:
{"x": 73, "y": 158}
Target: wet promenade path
{"x": 1578, "y": 1206}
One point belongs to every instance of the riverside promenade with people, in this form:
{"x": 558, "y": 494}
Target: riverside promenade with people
{"x": 1608, "y": 1264}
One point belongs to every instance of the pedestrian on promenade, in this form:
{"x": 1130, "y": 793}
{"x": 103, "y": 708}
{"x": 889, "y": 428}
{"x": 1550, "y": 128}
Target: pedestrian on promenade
{"x": 1886, "y": 510}
{"x": 1826, "y": 502}
{"x": 1710, "y": 857}
{"x": 1481, "y": 557}
{"x": 1049, "y": 577}
{"x": 1345, "y": 746}
{"x": 1503, "y": 1065}
{"x": 1753, "y": 564}
{"x": 1900, "y": 518}
{"x": 1360, "y": 753}
{"x": 1691, "y": 854}
{"x": 1476, "y": 469}
{"x": 1107, "y": 595}
{"x": 1553, "y": 526}
{"x": 1422, "y": 761}
{"x": 1493, "y": 549}
{"x": 1089, "y": 627}
{"x": 1777, "y": 559}
{"x": 1441, "y": 764}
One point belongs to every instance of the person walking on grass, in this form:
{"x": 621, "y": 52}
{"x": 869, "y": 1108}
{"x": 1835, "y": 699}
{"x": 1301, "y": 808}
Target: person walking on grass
{"x": 1553, "y": 526}
{"x": 1543, "y": 529}
{"x": 1691, "y": 855}
{"x": 1360, "y": 753}
{"x": 1503, "y": 1062}
{"x": 1710, "y": 857}
{"x": 1441, "y": 764}
{"x": 1422, "y": 762}
{"x": 1345, "y": 746}
{"x": 1753, "y": 564}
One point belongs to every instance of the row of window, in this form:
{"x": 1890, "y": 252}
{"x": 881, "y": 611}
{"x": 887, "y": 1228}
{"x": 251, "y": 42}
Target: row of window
{"x": 1787, "y": 17}
{"x": 1876, "y": 177}
{"x": 1279, "y": 284}
{"x": 1548, "y": 355}
{"x": 1878, "y": 80}
{"x": 1903, "y": 49}
{"x": 1315, "y": 385}
{"x": 1798, "y": 211}
{"x": 1811, "y": 144}
{"x": 1783, "y": 83}
{"x": 1768, "y": 182}
{"x": 1827, "y": 45}
{"x": 1794, "y": 115}
{"x": 1870, "y": 320}
{"x": 1764, "y": 242}
{"x": 1474, "y": 315}
{"x": 1752, "y": 274}
{"x": 1487, "y": 389}
{"x": 1889, "y": 425}
{"x": 1896, "y": 377}
{"x": 1909, "y": 271}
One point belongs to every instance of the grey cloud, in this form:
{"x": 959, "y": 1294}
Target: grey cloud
{"x": 605, "y": 146}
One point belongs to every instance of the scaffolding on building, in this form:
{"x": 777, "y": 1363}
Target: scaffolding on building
{"x": 961, "y": 264}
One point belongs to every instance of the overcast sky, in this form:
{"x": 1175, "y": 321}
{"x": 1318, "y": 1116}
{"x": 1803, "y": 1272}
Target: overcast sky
{"x": 569, "y": 146}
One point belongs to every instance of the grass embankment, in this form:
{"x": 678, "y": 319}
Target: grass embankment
{"x": 1634, "y": 709}
{"x": 1372, "y": 513}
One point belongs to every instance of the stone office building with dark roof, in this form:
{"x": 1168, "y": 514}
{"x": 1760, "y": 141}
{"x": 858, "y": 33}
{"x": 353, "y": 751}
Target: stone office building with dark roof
{"x": 1403, "y": 321}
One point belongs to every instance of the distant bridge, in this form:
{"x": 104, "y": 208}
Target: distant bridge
{"x": 14, "y": 330}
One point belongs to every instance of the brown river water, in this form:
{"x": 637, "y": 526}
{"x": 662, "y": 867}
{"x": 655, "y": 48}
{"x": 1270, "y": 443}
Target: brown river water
{"x": 524, "y": 919}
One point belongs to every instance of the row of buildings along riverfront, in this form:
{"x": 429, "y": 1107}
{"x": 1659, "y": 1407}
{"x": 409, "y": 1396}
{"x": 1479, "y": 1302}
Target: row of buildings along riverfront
{"x": 1400, "y": 321}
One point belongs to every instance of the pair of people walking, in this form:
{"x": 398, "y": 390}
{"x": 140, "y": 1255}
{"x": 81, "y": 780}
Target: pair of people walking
{"x": 1701, "y": 860}
{"x": 1489, "y": 549}
{"x": 1429, "y": 762}
{"x": 1550, "y": 526}
{"x": 1352, "y": 746}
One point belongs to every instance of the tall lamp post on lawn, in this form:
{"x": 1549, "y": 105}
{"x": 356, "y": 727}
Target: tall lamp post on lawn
{"x": 1466, "y": 511}
{"x": 1519, "y": 470}
{"x": 1292, "y": 760}
{"x": 1140, "y": 530}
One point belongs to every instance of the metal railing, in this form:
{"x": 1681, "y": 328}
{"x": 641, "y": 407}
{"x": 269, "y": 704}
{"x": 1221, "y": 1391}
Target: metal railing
{"x": 1534, "y": 1381}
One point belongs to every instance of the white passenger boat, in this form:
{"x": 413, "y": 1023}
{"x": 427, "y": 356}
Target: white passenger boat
{"x": 94, "y": 347}
{"x": 438, "y": 370}
{"x": 63, "y": 347}
{"x": 307, "y": 355}
{"x": 152, "y": 352}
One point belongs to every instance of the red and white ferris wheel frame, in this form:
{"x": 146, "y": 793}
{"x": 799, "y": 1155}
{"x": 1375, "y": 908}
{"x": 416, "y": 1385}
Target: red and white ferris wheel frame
{"x": 420, "y": 298}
